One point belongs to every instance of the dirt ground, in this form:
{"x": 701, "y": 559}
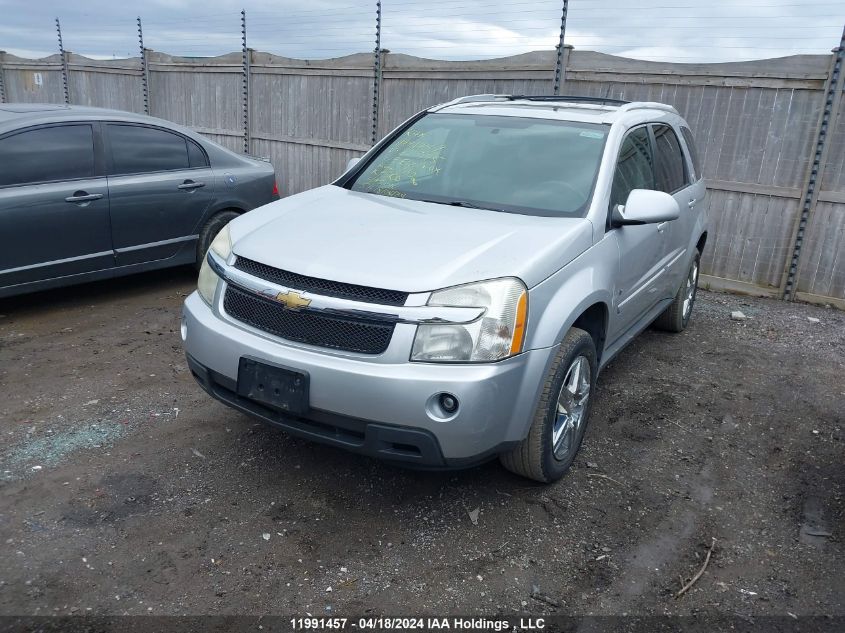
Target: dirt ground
{"x": 125, "y": 489}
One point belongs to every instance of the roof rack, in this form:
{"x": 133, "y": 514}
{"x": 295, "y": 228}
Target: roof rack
{"x": 568, "y": 98}
{"x": 624, "y": 106}
{"x": 647, "y": 105}
{"x": 488, "y": 98}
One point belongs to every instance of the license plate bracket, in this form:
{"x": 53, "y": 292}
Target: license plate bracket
{"x": 274, "y": 386}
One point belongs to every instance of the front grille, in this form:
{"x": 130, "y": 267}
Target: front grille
{"x": 321, "y": 286}
{"x": 351, "y": 335}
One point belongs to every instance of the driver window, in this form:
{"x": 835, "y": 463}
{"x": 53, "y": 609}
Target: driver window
{"x": 634, "y": 168}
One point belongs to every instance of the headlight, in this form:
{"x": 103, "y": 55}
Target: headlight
{"x": 497, "y": 334}
{"x": 207, "y": 282}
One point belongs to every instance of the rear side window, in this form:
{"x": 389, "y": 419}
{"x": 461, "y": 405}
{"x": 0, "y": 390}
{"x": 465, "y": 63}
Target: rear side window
{"x": 138, "y": 150}
{"x": 63, "y": 152}
{"x": 196, "y": 157}
{"x": 634, "y": 168}
{"x": 671, "y": 172}
{"x": 693, "y": 152}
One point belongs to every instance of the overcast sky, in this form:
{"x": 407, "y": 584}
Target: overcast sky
{"x": 670, "y": 30}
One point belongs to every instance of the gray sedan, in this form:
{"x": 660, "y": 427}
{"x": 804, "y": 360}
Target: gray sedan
{"x": 87, "y": 193}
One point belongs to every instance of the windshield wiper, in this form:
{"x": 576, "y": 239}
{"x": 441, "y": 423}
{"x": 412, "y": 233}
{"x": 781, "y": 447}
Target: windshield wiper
{"x": 466, "y": 204}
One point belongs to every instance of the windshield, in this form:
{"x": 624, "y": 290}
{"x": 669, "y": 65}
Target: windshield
{"x": 513, "y": 164}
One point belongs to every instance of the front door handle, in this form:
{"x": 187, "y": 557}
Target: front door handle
{"x": 662, "y": 227}
{"x": 190, "y": 185}
{"x": 83, "y": 196}
{"x": 691, "y": 203}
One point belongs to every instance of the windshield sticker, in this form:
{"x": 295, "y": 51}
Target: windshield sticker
{"x": 592, "y": 134}
{"x": 413, "y": 156}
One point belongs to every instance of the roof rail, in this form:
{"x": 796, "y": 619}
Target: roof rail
{"x": 568, "y": 99}
{"x": 624, "y": 106}
{"x": 473, "y": 99}
{"x": 647, "y": 105}
{"x": 488, "y": 98}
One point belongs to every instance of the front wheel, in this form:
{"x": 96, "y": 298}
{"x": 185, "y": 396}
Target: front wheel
{"x": 562, "y": 413}
{"x": 210, "y": 231}
{"x": 677, "y": 315}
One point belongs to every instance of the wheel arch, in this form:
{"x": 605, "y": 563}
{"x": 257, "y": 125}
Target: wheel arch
{"x": 594, "y": 320}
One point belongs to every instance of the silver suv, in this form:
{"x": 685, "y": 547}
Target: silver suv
{"x": 453, "y": 296}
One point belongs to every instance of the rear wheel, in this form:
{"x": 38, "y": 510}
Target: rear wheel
{"x": 677, "y": 315}
{"x": 562, "y": 413}
{"x": 210, "y": 231}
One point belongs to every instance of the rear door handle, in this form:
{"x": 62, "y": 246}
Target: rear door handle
{"x": 691, "y": 203}
{"x": 661, "y": 227}
{"x": 190, "y": 184}
{"x": 82, "y": 196}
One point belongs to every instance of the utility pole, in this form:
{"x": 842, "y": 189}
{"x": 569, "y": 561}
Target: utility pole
{"x": 560, "y": 71}
{"x": 64, "y": 61}
{"x": 145, "y": 78}
{"x": 245, "y": 71}
{"x": 2, "y": 83}
{"x": 810, "y": 194}
{"x": 376, "y": 72}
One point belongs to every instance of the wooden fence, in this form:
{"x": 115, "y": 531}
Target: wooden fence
{"x": 757, "y": 125}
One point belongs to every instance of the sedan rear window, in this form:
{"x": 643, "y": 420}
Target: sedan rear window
{"x": 514, "y": 164}
{"x": 62, "y": 152}
{"x": 137, "y": 149}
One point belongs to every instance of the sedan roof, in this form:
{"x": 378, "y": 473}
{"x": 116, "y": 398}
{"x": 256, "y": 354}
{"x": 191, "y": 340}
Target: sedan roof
{"x": 15, "y": 115}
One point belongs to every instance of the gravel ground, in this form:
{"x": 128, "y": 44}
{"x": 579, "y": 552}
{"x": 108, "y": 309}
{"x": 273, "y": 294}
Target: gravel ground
{"x": 124, "y": 489}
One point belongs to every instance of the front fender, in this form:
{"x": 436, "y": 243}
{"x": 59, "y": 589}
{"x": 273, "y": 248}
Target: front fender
{"x": 555, "y": 303}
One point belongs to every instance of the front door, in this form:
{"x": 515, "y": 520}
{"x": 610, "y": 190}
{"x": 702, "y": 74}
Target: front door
{"x": 160, "y": 186}
{"x": 642, "y": 248}
{"x": 54, "y": 204}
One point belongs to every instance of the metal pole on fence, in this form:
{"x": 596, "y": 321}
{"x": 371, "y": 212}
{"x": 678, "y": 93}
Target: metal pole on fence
{"x": 64, "y": 61}
{"x": 376, "y": 72}
{"x": 245, "y": 82}
{"x": 2, "y": 82}
{"x": 560, "y": 71}
{"x": 832, "y": 98}
{"x": 144, "y": 76}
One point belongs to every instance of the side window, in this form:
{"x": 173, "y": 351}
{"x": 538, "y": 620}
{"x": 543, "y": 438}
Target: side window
{"x": 693, "y": 152}
{"x": 196, "y": 157}
{"x": 634, "y": 168}
{"x": 671, "y": 164}
{"x": 62, "y": 152}
{"x": 137, "y": 150}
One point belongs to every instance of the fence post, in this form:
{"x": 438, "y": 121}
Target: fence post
{"x": 145, "y": 78}
{"x": 2, "y": 80}
{"x": 560, "y": 68}
{"x": 245, "y": 81}
{"x": 64, "y": 61}
{"x": 376, "y": 73}
{"x": 810, "y": 192}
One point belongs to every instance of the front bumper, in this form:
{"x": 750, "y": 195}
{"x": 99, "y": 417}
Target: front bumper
{"x": 376, "y": 405}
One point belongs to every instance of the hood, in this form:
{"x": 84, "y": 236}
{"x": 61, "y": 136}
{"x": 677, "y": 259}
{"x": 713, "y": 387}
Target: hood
{"x": 408, "y": 245}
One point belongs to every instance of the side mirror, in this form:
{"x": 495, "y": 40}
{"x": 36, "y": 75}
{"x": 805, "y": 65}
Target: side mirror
{"x": 645, "y": 206}
{"x": 352, "y": 162}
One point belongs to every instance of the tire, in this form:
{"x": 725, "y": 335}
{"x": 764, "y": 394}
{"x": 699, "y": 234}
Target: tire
{"x": 535, "y": 457}
{"x": 210, "y": 231}
{"x": 677, "y": 315}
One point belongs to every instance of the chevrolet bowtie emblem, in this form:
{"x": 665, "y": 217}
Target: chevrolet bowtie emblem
{"x": 292, "y": 300}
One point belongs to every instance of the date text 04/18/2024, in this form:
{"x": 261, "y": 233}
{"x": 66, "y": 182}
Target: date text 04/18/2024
{"x": 420, "y": 624}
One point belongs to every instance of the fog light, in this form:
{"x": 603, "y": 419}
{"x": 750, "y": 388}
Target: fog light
{"x": 448, "y": 402}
